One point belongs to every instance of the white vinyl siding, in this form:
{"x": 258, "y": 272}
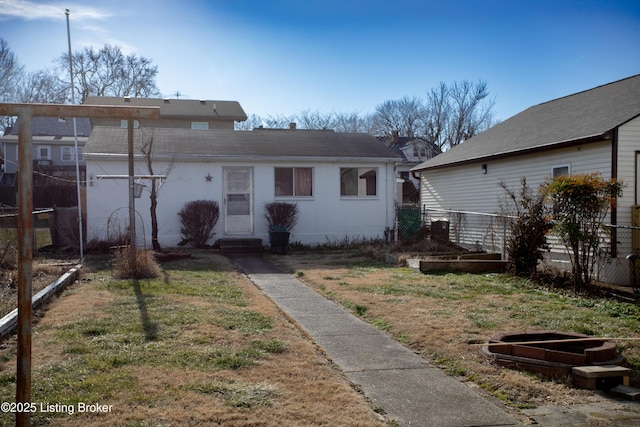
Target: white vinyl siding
{"x": 628, "y": 146}
{"x": 467, "y": 188}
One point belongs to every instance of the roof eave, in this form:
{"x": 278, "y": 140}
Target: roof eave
{"x": 253, "y": 158}
{"x": 203, "y": 117}
{"x": 539, "y": 148}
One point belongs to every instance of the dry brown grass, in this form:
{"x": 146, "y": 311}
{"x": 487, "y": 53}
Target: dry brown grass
{"x": 132, "y": 369}
{"x": 76, "y": 352}
{"x": 432, "y": 315}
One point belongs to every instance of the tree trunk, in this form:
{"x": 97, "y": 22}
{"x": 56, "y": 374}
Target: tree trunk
{"x": 154, "y": 217}
{"x": 154, "y": 206}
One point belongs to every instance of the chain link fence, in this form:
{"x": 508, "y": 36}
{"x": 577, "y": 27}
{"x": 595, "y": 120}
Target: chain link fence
{"x": 617, "y": 261}
{"x": 471, "y": 230}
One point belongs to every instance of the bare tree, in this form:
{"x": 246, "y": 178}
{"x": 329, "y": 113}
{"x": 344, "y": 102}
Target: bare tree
{"x": 145, "y": 145}
{"x": 470, "y": 114}
{"x": 354, "y": 123}
{"x": 11, "y": 72}
{"x": 308, "y": 119}
{"x": 10, "y": 75}
{"x": 252, "y": 122}
{"x": 404, "y": 115}
{"x": 450, "y": 115}
{"x": 437, "y": 113}
{"x": 108, "y": 72}
{"x": 42, "y": 87}
{"x": 280, "y": 121}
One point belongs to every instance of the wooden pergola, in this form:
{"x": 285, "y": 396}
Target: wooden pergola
{"x": 26, "y": 113}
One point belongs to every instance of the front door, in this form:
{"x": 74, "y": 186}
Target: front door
{"x": 238, "y": 200}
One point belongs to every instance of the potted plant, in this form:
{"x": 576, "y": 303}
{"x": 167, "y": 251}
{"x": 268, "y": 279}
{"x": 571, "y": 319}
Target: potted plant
{"x": 281, "y": 217}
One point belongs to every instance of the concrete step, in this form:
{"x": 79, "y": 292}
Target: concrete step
{"x": 241, "y": 246}
{"x": 599, "y": 376}
{"x": 630, "y": 393}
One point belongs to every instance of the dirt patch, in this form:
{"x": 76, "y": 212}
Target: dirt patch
{"x": 44, "y": 273}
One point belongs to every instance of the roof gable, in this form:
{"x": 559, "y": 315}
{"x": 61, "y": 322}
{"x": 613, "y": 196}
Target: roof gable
{"x": 590, "y": 114}
{"x": 220, "y": 143}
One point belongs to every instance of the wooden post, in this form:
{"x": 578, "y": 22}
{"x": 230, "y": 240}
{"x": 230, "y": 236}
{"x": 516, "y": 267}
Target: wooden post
{"x": 132, "y": 202}
{"x": 26, "y": 113}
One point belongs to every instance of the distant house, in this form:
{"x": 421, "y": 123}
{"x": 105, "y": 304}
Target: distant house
{"x": 594, "y": 131}
{"x": 413, "y": 151}
{"x": 343, "y": 183}
{"x": 177, "y": 113}
{"x": 54, "y": 157}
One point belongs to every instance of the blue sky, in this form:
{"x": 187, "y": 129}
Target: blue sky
{"x": 284, "y": 56}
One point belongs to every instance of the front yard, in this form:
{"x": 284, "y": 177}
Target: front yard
{"x": 202, "y": 346}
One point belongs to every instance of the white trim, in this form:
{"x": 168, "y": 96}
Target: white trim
{"x": 70, "y": 151}
{"x": 39, "y": 154}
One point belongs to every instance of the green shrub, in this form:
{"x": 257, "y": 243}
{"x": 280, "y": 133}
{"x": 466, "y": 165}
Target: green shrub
{"x": 580, "y": 204}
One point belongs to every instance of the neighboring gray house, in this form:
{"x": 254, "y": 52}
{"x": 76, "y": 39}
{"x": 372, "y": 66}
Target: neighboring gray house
{"x": 413, "y": 151}
{"x": 53, "y": 146}
{"x": 594, "y": 131}
{"x": 54, "y": 161}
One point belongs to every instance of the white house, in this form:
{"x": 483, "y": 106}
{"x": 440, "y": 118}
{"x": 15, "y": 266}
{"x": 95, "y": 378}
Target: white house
{"x": 595, "y": 131}
{"x": 343, "y": 183}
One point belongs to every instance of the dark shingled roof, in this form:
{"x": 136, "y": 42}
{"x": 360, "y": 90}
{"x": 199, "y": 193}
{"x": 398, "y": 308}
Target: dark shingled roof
{"x": 111, "y": 141}
{"x": 584, "y": 116}
{"x": 53, "y": 126}
{"x": 179, "y": 108}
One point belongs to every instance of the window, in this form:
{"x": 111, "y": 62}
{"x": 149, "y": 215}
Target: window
{"x": 560, "y": 170}
{"x": 124, "y": 124}
{"x": 358, "y": 181}
{"x": 200, "y": 125}
{"x": 419, "y": 151}
{"x": 43, "y": 152}
{"x": 296, "y": 182}
{"x": 67, "y": 154}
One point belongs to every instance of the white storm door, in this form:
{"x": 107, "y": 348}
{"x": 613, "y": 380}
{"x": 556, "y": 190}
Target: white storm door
{"x": 238, "y": 201}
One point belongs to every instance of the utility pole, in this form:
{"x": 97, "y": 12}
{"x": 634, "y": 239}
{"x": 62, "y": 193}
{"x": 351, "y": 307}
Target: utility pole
{"x": 75, "y": 138}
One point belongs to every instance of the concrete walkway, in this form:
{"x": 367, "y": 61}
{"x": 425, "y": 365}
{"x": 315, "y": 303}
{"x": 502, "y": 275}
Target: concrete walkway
{"x": 409, "y": 389}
